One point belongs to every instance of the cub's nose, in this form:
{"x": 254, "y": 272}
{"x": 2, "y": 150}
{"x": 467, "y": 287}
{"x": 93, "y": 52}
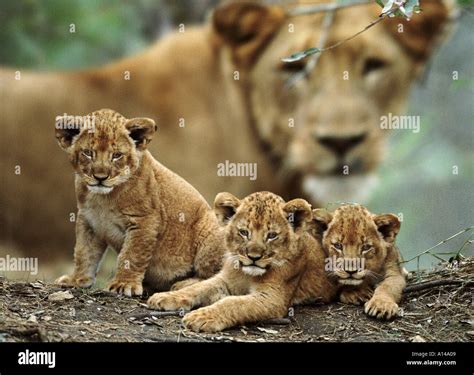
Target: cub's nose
{"x": 254, "y": 257}
{"x": 341, "y": 145}
{"x": 101, "y": 177}
{"x": 351, "y": 272}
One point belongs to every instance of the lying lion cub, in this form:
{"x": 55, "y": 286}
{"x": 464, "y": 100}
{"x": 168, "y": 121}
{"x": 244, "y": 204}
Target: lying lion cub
{"x": 161, "y": 226}
{"x": 362, "y": 255}
{"x": 269, "y": 250}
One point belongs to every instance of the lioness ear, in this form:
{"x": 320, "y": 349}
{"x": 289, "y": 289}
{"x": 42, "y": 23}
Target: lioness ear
{"x": 66, "y": 128}
{"x": 298, "y": 212}
{"x": 321, "y": 220}
{"x": 420, "y": 35}
{"x": 246, "y": 27}
{"x": 388, "y": 225}
{"x": 141, "y": 130}
{"x": 225, "y": 206}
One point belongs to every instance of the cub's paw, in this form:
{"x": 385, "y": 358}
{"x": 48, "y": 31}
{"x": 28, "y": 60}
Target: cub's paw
{"x": 204, "y": 319}
{"x": 74, "y": 281}
{"x": 381, "y": 307}
{"x": 169, "y": 301}
{"x": 355, "y": 296}
{"x": 184, "y": 283}
{"x": 126, "y": 287}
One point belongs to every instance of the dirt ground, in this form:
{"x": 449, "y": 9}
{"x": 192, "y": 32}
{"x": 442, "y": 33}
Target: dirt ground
{"x": 437, "y": 306}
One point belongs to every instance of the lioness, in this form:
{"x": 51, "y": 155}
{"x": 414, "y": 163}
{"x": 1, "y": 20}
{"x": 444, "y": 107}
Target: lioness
{"x": 219, "y": 91}
{"x": 161, "y": 226}
{"x": 362, "y": 255}
{"x": 269, "y": 251}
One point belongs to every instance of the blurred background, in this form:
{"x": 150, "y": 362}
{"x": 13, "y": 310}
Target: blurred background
{"x": 417, "y": 180}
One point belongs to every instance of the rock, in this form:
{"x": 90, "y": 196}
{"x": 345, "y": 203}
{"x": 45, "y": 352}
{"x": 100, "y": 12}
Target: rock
{"x": 417, "y": 338}
{"x": 60, "y": 296}
{"x": 33, "y": 319}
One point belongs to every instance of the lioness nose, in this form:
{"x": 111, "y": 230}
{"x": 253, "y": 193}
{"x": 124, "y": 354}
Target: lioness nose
{"x": 351, "y": 272}
{"x": 101, "y": 177}
{"x": 341, "y": 145}
{"x": 254, "y": 257}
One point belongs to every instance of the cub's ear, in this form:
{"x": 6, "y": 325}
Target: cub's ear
{"x": 141, "y": 130}
{"x": 298, "y": 213}
{"x": 225, "y": 206}
{"x": 246, "y": 27}
{"x": 421, "y": 34}
{"x": 388, "y": 225}
{"x": 66, "y": 129}
{"x": 321, "y": 220}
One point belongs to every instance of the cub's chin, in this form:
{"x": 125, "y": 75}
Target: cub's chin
{"x": 352, "y": 282}
{"x": 253, "y": 270}
{"x": 100, "y": 189}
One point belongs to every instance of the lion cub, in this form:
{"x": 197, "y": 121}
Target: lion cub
{"x": 268, "y": 248}
{"x": 362, "y": 255}
{"x": 161, "y": 226}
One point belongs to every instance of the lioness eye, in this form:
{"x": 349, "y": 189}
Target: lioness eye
{"x": 337, "y": 246}
{"x": 366, "y": 247}
{"x": 244, "y": 233}
{"x": 116, "y": 155}
{"x": 372, "y": 64}
{"x": 293, "y": 67}
{"x": 271, "y": 235}
{"x": 87, "y": 153}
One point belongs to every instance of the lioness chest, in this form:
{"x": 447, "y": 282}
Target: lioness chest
{"x": 107, "y": 223}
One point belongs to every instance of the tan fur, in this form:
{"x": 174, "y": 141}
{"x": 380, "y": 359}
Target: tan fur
{"x": 353, "y": 233}
{"x": 260, "y": 276}
{"x": 162, "y": 228}
{"x": 190, "y": 77}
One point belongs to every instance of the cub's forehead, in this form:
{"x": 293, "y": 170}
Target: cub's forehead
{"x": 107, "y": 119}
{"x": 352, "y": 220}
{"x": 261, "y": 206}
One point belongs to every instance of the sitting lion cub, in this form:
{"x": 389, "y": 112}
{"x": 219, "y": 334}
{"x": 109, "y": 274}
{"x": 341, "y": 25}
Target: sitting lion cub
{"x": 161, "y": 226}
{"x": 362, "y": 255}
{"x": 268, "y": 249}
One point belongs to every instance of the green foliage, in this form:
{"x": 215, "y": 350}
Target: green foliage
{"x": 38, "y": 33}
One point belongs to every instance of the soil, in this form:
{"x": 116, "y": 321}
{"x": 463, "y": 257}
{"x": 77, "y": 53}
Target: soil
{"x": 437, "y": 306}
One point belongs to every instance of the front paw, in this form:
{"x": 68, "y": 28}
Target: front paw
{"x": 381, "y": 307}
{"x": 204, "y": 320}
{"x": 355, "y": 296}
{"x": 169, "y": 301}
{"x": 126, "y": 287}
{"x": 75, "y": 281}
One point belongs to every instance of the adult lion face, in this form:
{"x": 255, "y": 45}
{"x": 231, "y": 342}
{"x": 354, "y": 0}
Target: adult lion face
{"x": 262, "y": 231}
{"x": 324, "y": 130}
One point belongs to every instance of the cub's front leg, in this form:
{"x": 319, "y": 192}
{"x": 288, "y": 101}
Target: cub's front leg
{"x": 236, "y": 310}
{"x": 356, "y": 295}
{"x": 384, "y": 303}
{"x": 134, "y": 258}
{"x": 88, "y": 252}
{"x": 201, "y": 293}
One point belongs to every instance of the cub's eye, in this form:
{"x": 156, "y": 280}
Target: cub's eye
{"x": 366, "y": 247}
{"x": 372, "y": 64}
{"x": 87, "y": 153}
{"x": 244, "y": 233}
{"x": 116, "y": 155}
{"x": 293, "y": 67}
{"x": 338, "y": 246}
{"x": 271, "y": 235}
